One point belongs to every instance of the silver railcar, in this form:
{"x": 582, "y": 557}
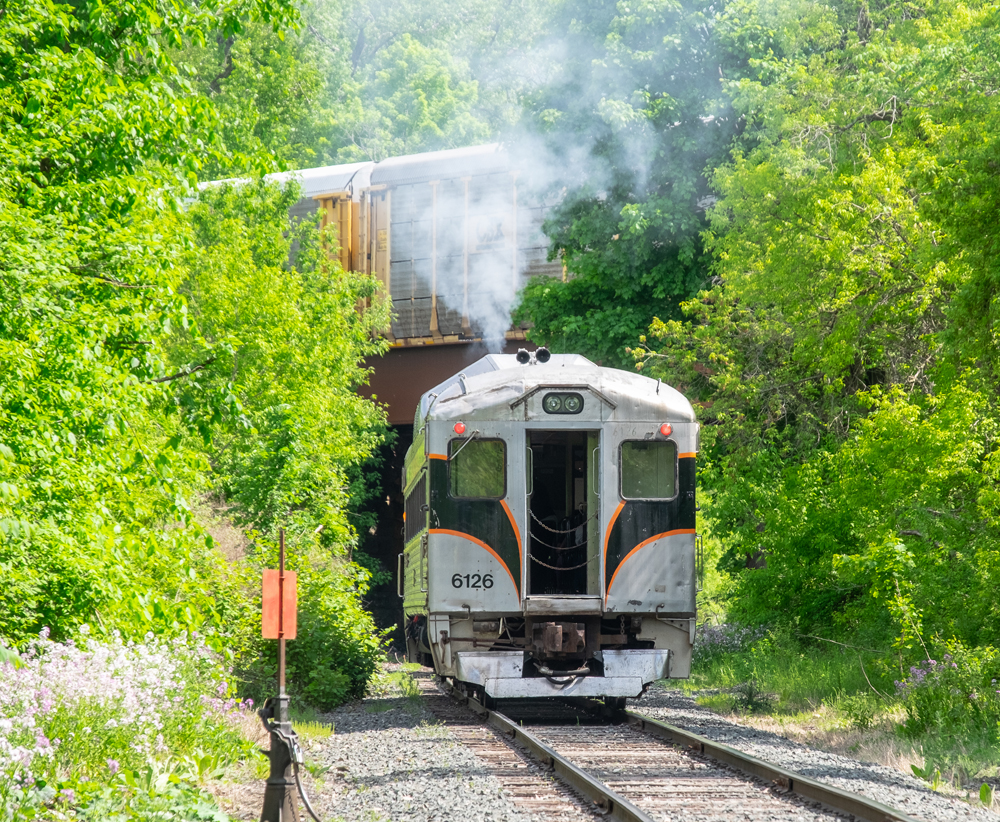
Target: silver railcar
{"x": 550, "y": 545}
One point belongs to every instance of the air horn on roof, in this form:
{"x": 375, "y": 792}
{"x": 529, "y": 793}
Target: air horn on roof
{"x": 539, "y": 355}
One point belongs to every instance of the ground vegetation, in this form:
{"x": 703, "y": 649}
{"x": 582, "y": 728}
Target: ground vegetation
{"x": 841, "y": 355}
{"x": 162, "y": 351}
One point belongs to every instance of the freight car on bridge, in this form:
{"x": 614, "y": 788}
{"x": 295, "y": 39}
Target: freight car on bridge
{"x": 451, "y": 235}
{"x": 550, "y": 545}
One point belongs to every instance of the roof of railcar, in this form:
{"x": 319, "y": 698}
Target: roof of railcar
{"x": 498, "y": 379}
{"x": 409, "y": 168}
{"x": 432, "y": 165}
{"x": 314, "y": 181}
{"x": 327, "y": 179}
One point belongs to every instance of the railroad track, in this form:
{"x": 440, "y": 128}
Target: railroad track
{"x": 531, "y": 785}
{"x": 632, "y": 768}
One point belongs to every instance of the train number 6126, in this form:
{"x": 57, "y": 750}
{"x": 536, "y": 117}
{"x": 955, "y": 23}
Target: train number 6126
{"x": 472, "y": 580}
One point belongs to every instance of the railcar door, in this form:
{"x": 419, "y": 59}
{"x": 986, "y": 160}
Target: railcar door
{"x": 563, "y": 515}
{"x": 475, "y": 556}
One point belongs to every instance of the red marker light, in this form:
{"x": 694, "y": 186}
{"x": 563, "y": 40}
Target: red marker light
{"x": 666, "y": 429}
{"x": 459, "y": 427}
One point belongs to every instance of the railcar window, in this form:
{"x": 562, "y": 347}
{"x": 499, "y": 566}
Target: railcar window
{"x": 416, "y": 510}
{"x": 477, "y": 469}
{"x": 649, "y": 470}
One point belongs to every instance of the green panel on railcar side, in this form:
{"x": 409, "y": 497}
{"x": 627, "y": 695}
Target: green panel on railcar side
{"x": 414, "y": 460}
{"x": 415, "y": 575}
{"x": 415, "y": 529}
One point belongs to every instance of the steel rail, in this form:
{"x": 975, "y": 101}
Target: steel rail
{"x": 835, "y": 798}
{"x": 614, "y": 805}
{"x": 617, "y": 807}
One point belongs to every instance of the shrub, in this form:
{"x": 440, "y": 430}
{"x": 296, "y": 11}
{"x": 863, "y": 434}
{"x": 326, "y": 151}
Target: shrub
{"x": 961, "y": 691}
{"x": 860, "y": 709}
{"x": 338, "y": 648}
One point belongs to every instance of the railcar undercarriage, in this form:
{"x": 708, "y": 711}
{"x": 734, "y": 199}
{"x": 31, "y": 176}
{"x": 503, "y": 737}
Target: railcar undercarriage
{"x": 557, "y": 656}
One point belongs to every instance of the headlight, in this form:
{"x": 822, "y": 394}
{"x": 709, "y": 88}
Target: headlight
{"x": 562, "y": 403}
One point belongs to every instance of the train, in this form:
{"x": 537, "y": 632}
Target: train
{"x": 451, "y": 236}
{"x": 550, "y": 544}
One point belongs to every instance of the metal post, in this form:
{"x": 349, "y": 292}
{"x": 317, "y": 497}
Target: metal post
{"x": 281, "y": 625}
{"x": 281, "y": 797}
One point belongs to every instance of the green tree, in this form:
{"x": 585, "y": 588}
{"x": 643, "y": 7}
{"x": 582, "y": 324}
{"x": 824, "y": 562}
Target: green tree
{"x": 360, "y": 80}
{"x": 113, "y": 352}
{"x": 415, "y": 98}
{"x": 848, "y": 440}
{"x": 632, "y": 111}
{"x": 276, "y": 91}
{"x": 281, "y": 336}
{"x": 97, "y": 128}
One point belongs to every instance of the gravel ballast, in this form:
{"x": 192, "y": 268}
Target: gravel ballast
{"x": 878, "y": 782}
{"x": 391, "y": 759}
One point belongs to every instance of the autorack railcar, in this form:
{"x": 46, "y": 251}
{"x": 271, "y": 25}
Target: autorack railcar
{"x": 550, "y": 545}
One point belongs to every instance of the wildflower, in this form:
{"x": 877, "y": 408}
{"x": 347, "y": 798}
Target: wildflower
{"x": 45, "y": 700}
{"x": 69, "y": 795}
{"x": 113, "y": 766}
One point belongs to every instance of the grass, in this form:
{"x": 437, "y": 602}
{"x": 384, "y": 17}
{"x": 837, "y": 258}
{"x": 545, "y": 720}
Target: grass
{"x": 309, "y": 723}
{"x": 797, "y": 678}
{"x": 839, "y": 699}
{"x": 396, "y": 682}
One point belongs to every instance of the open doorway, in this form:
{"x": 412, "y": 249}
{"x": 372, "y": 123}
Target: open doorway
{"x": 563, "y": 513}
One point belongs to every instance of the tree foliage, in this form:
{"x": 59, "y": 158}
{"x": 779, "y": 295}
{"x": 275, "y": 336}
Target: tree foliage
{"x": 154, "y": 346}
{"x": 843, "y": 360}
{"x": 282, "y": 343}
{"x": 365, "y": 81}
{"x": 632, "y": 112}
{"x": 95, "y": 127}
